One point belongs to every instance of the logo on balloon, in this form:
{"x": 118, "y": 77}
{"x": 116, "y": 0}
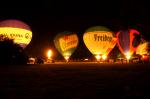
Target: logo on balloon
{"x": 27, "y": 36}
{"x": 66, "y": 43}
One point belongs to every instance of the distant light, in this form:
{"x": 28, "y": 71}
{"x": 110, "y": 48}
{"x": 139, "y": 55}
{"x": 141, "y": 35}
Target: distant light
{"x": 86, "y": 59}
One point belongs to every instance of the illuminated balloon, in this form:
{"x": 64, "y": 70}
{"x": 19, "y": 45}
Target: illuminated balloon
{"x": 66, "y": 43}
{"x": 99, "y": 40}
{"x": 16, "y": 30}
{"x": 142, "y": 48}
{"x": 128, "y": 41}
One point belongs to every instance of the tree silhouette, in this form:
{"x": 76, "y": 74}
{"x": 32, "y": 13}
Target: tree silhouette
{"x": 11, "y": 53}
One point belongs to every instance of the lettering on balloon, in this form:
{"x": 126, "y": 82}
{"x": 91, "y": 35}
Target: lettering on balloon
{"x": 13, "y": 35}
{"x": 68, "y": 42}
{"x": 16, "y": 35}
{"x": 102, "y": 38}
{"x": 20, "y": 36}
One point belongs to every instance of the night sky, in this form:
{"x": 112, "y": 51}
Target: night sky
{"x": 47, "y": 18}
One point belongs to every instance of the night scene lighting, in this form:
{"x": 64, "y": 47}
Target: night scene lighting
{"x": 75, "y": 49}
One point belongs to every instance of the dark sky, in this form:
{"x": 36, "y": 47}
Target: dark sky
{"x": 49, "y": 17}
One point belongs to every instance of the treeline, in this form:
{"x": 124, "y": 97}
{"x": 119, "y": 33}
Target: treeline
{"x": 11, "y": 53}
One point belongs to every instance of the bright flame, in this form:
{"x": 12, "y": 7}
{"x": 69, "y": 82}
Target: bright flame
{"x": 49, "y": 54}
{"x": 104, "y": 57}
{"x": 128, "y": 56}
{"x": 67, "y": 58}
{"x": 143, "y": 56}
{"x": 98, "y": 57}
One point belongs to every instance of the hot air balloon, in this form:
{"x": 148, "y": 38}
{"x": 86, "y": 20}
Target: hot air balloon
{"x": 16, "y": 30}
{"x": 100, "y": 41}
{"x": 128, "y": 41}
{"x": 66, "y": 43}
{"x": 143, "y": 47}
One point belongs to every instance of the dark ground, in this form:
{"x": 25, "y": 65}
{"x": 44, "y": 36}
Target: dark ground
{"x": 75, "y": 81}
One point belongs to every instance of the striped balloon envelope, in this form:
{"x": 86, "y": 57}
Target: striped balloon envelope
{"x": 128, "y": 41}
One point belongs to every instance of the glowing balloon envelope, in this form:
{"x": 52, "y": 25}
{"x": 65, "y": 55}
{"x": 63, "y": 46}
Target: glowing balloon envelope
{"x": 66, "y": 43}
{"x": 142, "y": 48}
{"x": 16, "y": 30}
{"x": 99, "y": 40}
{"x": 128, "y": 41}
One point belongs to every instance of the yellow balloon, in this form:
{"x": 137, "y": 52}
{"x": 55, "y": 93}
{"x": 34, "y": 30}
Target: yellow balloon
{"x": 142, "y": 48}
{"x": 99, "y": 41}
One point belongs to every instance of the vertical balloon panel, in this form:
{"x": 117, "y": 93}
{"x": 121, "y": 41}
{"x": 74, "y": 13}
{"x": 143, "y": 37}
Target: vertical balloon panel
{"x": 66, "y": 43}
{"x": 124, "y": 41}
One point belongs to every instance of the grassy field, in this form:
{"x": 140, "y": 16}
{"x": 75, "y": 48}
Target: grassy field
{"x": 75, "y": 81}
